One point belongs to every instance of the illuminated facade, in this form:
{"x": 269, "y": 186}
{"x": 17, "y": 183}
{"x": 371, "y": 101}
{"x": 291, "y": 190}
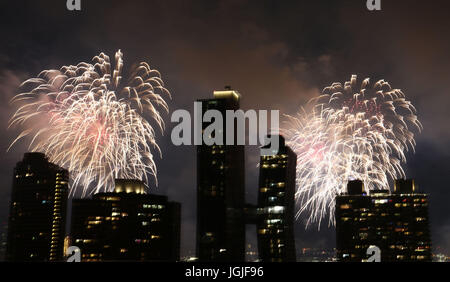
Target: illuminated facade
{"x": 3, "y": 238}
{"x": 275, "y": 224}
{"x": 220, "y": 191}
{"x": 37, "y": 217}
{"x": 126, "y": 225}
{"x": 395, "y": 222}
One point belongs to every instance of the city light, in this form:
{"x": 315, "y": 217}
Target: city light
{"x": 90, "y": 119}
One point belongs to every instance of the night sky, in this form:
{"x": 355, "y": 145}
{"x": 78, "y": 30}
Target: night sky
{"x": 277, "y": 54}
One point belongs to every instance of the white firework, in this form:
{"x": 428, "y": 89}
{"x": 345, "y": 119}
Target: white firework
{"x": 88, "y": 119}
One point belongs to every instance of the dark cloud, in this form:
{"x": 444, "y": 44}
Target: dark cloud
{"x": 278, "y": 54}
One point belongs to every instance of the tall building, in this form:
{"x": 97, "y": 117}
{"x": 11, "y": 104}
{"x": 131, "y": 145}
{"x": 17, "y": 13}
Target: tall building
{"x": 220, "y": 191}
{"x": 275, "y": 225}
{"x": 37, "y": 216}
{"x": 126, "y": 225}
{"x": 397, "y": 223}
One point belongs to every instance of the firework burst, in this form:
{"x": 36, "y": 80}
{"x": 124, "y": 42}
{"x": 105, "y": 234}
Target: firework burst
{"x": 349, "y": 132}
{"x": 90, "y": 120}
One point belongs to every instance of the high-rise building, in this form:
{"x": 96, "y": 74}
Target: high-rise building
{"x": 126, "y": 225}
{"x": 275, "y": 227}
{"x": 37, "y": 216}
{"x": 397, "y": 223}
{"x": 220, "y": 190}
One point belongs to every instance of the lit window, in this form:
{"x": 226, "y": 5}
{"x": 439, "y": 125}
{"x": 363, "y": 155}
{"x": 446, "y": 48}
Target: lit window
{"x": 381, "y": 201}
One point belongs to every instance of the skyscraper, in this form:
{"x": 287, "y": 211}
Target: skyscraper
{"x": 396, "y": 223}
{"x": 220, "y": 191}
{"x": 37, "y": 216}
{"x": 275, "y": 227}
{"x": 126, "y": 225}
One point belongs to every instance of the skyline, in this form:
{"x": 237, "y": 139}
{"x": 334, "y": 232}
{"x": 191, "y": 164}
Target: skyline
{"x": 98, "y": 222}
{"x": 263, "y": 55}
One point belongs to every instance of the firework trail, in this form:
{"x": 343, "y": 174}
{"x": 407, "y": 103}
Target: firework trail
{"x": 349, "y": 133}
{"x": 90, "y": 120}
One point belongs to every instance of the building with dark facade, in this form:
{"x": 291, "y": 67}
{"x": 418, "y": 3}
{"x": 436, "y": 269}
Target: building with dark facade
{"x": 275, "y": 224}
{"x": 220, "y": 191}
{"x": 37, "y": 218}
{"x": 126, "y": 225}
{"x": 397, "y": 223}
